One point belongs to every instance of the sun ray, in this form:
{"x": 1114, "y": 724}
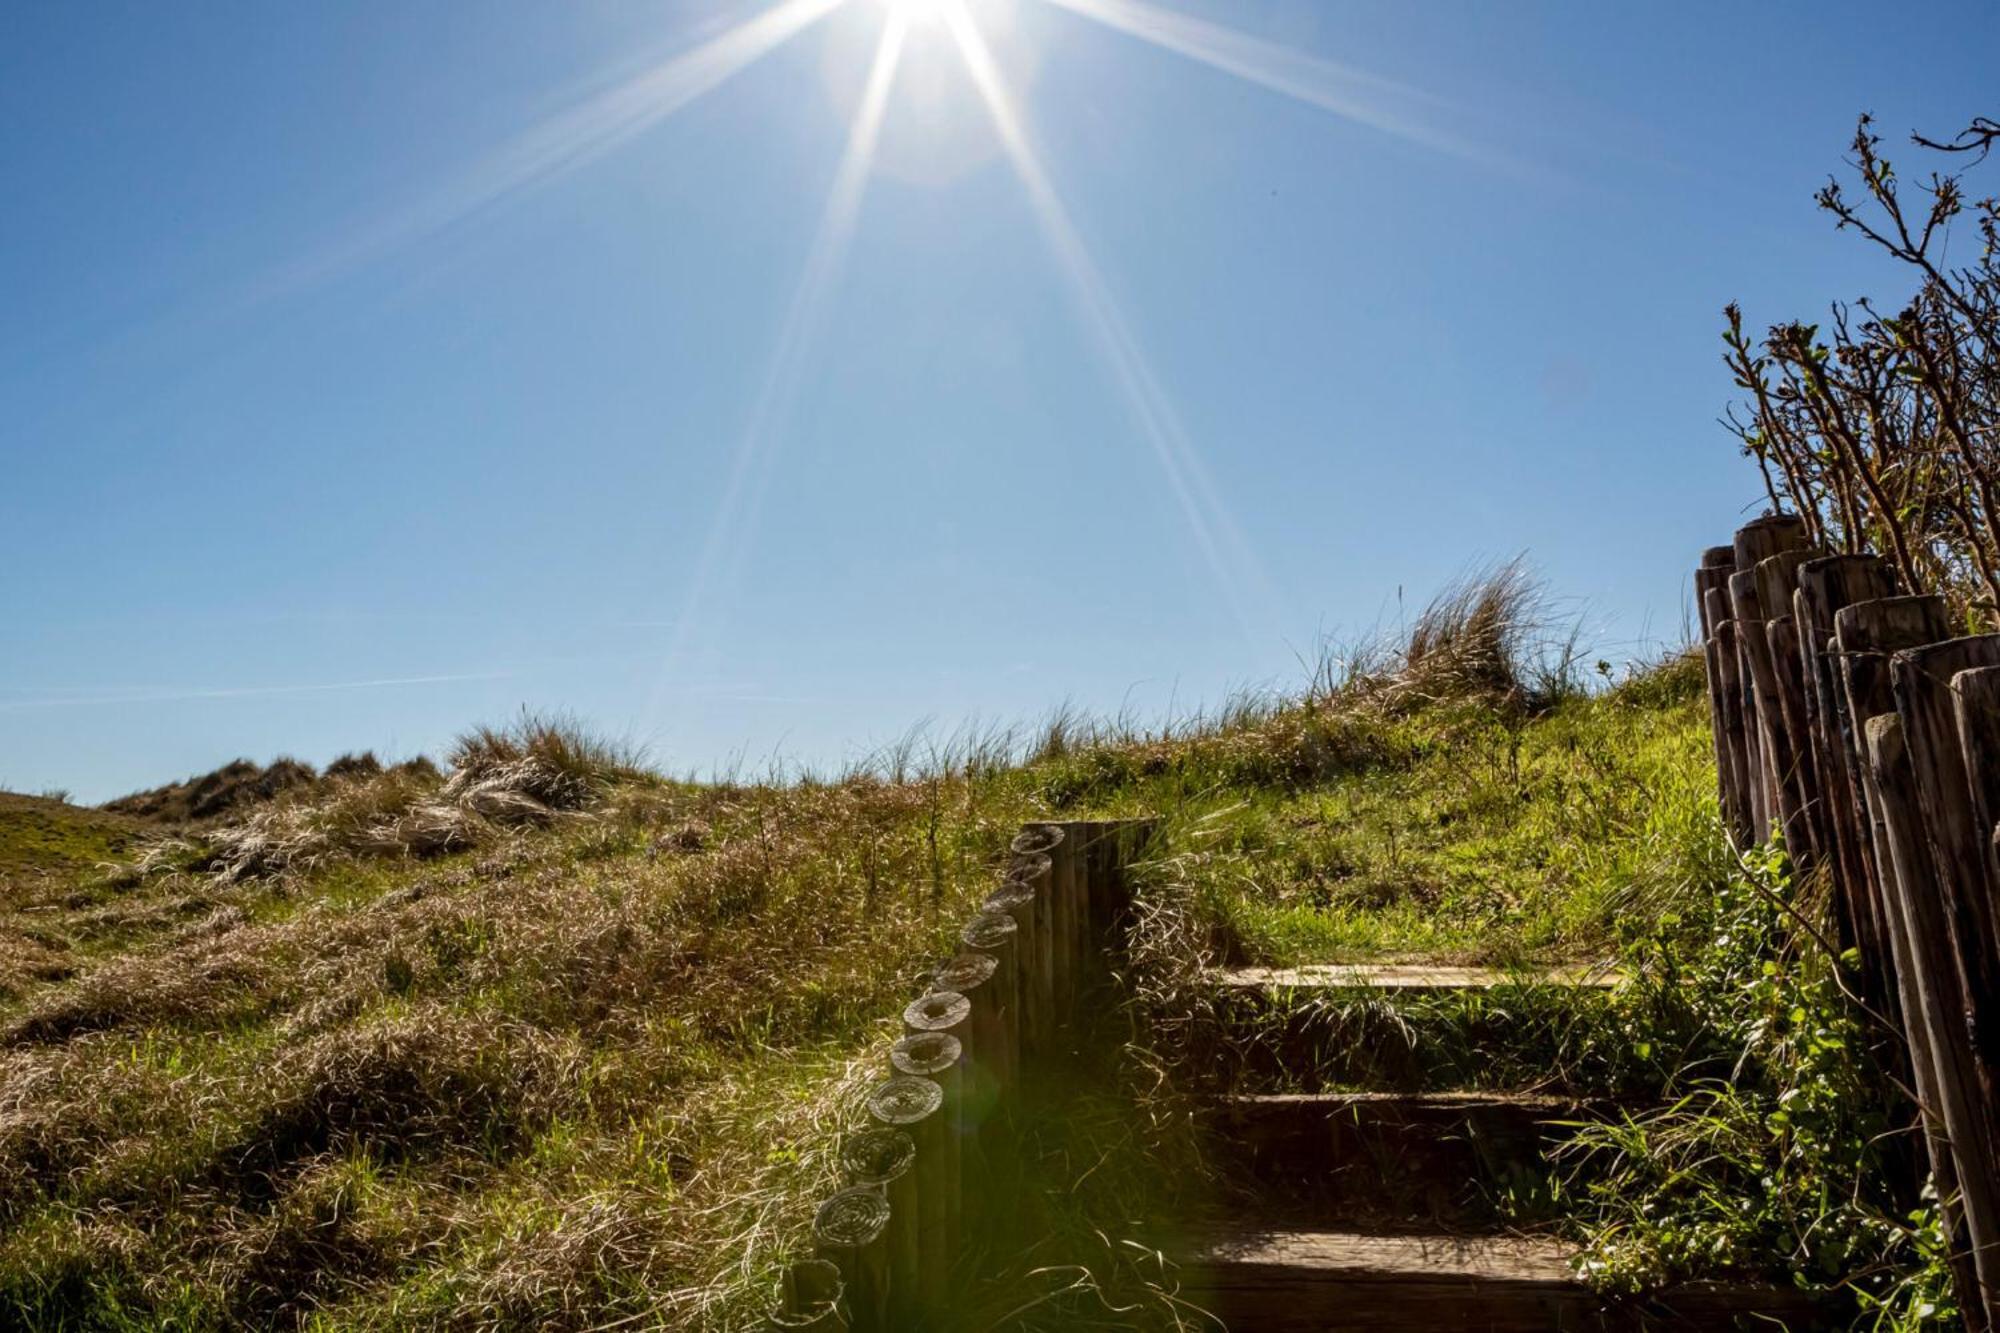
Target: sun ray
{"x": 1353, "y": 94}
{"x": 1229, "y": 557}
{"x": 560, "y": 144}
{"x": 752, "y": 459}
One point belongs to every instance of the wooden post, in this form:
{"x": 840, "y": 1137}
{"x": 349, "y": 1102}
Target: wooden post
{"x": 1976, "y": 703}
{"x": 885, "y": 1159}
{"x": 1743, "y": 597}
{"x": 1733, "y": 756}
{"x": 1037, "y": 871}
{"x": 1011, "y": 903}
{"x": 1072, "y": 890}
{"x": 916, "y": 1106}
{"x": 1922, "y": 680}
{"x": 1777, "y": 585}
{"x": 1975, "y": 697}
{"x": 1717, "y": 564}
{"x": 1961, "y": 845}
{"x": 851, "y": 1230}
{"x": 979, "y": 978}
{"x": 1711, "y": 589}
{"x": 1854, "y": 683}
{"x": 1757, "y": 541}
{"x": 809, "y": 1298}
{"x": 938, "y": 1023}
{"x": 1826, "y": 585}
{"x": 1773, "y": 741}
{"x": 1865, "y": 634}
{"x": 940, "y": 1057}
{"x": 1933, "y": 1004}
{"x": 1046, "y": 841}
{"x": 1804, "y": 795}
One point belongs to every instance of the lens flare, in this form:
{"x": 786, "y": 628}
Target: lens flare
{"x": 754, "y": 455}
{"x": 1228, "y": 556}
{"x": 1353, "y": 94}
{"x": 566, "y": 141}
{"x": 915, "y": 11}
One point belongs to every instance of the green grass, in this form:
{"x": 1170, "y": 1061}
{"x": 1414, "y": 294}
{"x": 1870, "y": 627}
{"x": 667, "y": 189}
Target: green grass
{"x": 41, "y": 837}
{"x": 1470, "y": 832}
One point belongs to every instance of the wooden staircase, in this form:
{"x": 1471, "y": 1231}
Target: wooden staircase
{"x": 1376, "y": 1208}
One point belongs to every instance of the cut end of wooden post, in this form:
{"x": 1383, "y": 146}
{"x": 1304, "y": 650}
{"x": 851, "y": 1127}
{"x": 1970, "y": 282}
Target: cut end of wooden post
{"x": 853, "y": 1219}
{"x": 925, "y": 1054}
{"x": 939, "y": 1011}
{"x": 969, "y": 971}
{"x": 1885, "y": 736}
{"x": 1763, "y": 537}
{"x": 988, "y": 930}
{"x": 1009, "y": 897}
{"x": 877, "y": 1156}
{"x": 1897, "y": 622}
{"x": 1043, "y": 838}
{"x": 905, "y": 1100}
{"x": 1027, "y": 867}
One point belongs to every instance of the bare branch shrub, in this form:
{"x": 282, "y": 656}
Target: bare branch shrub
{"x": 1879, "y": 429}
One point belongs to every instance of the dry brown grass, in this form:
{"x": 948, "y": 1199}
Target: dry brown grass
{"x": 530, "y": 774}
{"x": 229, "y": 790}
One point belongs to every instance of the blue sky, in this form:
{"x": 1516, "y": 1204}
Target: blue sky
{"x": 372, "y": 370}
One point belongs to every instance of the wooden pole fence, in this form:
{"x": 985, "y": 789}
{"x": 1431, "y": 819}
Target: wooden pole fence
{"x": 1011, "y": 999}
{"x": 1853, "y": 724}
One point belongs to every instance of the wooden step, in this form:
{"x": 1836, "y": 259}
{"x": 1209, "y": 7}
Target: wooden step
{"x": 1411, "y": 977}
{"x": 1265, "y": 1281}
{"x": 1405, "y": 1026}
{"x": 1313, "y": 1126}
{"x": 1393, "y": 1159}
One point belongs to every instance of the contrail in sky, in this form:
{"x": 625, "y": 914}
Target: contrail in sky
{"x": 170, "y": 695}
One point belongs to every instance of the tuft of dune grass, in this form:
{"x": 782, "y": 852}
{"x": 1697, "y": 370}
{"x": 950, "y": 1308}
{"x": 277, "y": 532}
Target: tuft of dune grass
{"x": 529, "y": 774}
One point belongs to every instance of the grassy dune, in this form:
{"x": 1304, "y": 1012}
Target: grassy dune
{"x": 549, "y": 1040}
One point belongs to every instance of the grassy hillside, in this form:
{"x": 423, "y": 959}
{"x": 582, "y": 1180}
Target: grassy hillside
{"x": 48, "y": 850}
{"x": 552, "y": 1041}
{"x": 41, "y": 837}
{"x": 1470, "y": 829}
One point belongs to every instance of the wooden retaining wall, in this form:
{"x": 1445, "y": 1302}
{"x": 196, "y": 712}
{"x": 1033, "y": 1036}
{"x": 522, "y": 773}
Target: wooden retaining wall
{"x": 1853, "y": 724}
{"x": 923, "y": 1182}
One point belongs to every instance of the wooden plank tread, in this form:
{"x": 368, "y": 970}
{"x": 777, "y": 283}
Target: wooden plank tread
{"x": 1347, "y": 1255}
{"x": 1266, "y": 1280}
{"x": 1411, "y": 976}
{"x": 1537, "y": 1103}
